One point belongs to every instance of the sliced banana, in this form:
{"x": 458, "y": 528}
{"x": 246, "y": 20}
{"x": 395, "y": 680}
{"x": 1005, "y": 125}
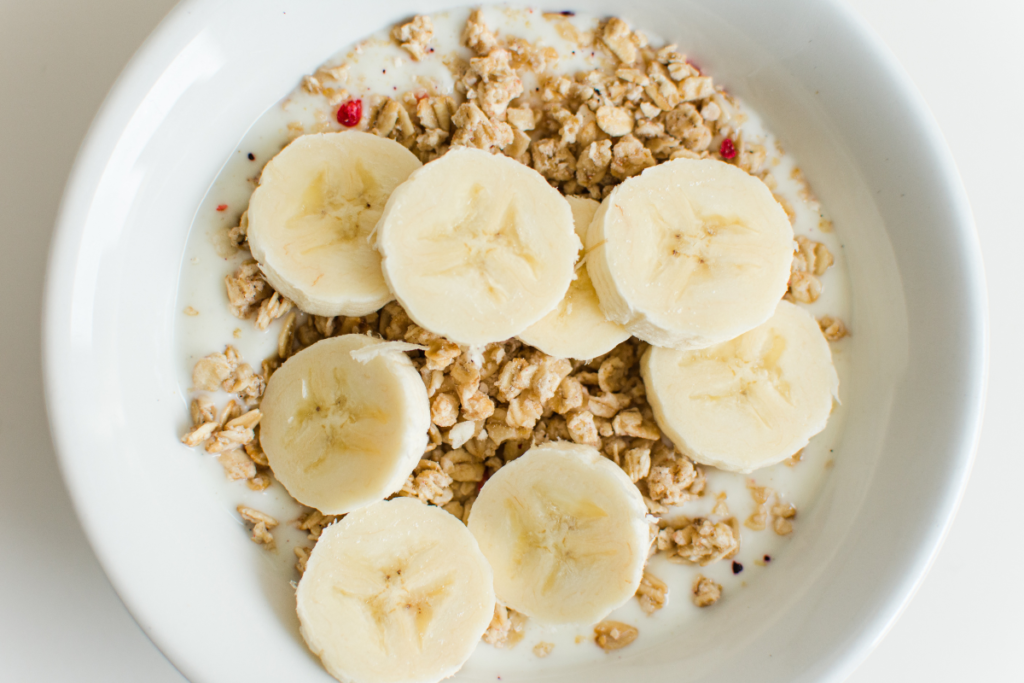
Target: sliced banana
{"x": 690, "y": 253}
{"x": 309, "y": 219}
{"x": 397, "y": 592}
{"x": 750, "y": 402}
{"x": 477, "y": 247}
{"x": 342, "y": 432}
{"x": 577, "y": 328}
{"x": 563, "y": 528}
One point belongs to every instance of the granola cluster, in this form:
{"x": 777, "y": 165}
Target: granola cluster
{"x": 810, "y": 262}
{"x": 698, "y": 541}
{"x": 313, "y": 522}
{"x": 614, "y": 635}
{"x": 261, "y": 523}
{"x": 248, "y": 291}
{"x": 415, "y": 36}
{"x": 230, "y": 433}
{"x": 652, "y": 593}
{"x": 779, "y": 514}
{"x": 705, "y": 592}
{"x": 506, "y": 628}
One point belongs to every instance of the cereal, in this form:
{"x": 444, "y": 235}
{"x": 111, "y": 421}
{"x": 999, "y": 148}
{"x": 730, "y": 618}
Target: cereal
{"x": 637, "y": 463}
{"x": 630, "y": 157}
{"x": 262, "y": 523}
{"x": 237, "y": 465}
{"x": 614, "y": 635}
{"x": 652, "y": 593}
{"x": 415, "y": 36}
{"x": 477, "y": 36}
{"x": 782, "y": 513}
{"x": 429, "y": 482}
{"x": 833, "y": 328}
{"x": 618, "y": 38}
{"x": 506, "y": 628}
{"x": 673, "y": 478}
{"x": 491, "y": 82}
{"x": 271, "y": 309}
{"x": 705, "y": 591}
{"x": 209, "y": 372}
{"x": 246, "y": 289}
{"x": 699, "y": 541}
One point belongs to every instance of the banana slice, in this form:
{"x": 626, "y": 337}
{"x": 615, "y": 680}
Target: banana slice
{"x": 397, "y": 592}
{"x": 563, "y": 528}
{"x": 477, "y": 247}
{"x": 690, "y": 253}
{"x": 750, "y": 402}
{"x": 309, "y": 219}
{"x": 342, "y": 432}
{"x": 577, "y": 328}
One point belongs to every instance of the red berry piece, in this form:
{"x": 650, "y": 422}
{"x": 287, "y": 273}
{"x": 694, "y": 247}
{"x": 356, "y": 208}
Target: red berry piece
{"x": 350, "y": 112}
{"x": 222, "y": 207}
{"x": 727, "y": 150}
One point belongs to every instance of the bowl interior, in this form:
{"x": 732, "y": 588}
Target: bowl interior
{"x": 831, "y": 93}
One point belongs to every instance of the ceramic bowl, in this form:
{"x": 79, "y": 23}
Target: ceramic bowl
{"x": 825, "y": 85}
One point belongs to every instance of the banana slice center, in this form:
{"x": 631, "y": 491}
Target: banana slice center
{"x": 331, "y": 424}
{"x": 557, "y": 536}
{"x": 398, "y": 610}
{"x": 349, "y": 207}
{"x": 751, "y": 374}
{"x": 691, "y": 249}
{"x": 494, "y": 249}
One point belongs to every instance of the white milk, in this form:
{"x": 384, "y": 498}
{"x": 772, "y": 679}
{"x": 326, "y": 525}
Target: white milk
{"x": 378, "y": 66}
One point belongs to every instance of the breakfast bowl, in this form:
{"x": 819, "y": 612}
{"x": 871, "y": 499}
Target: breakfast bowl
{"x": 162, "y": 520}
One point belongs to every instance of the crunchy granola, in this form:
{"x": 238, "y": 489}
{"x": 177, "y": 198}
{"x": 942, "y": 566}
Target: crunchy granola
{"x": 699, "y": 541}
{"x": 758, "y": 519}
{"x": 779, "y": 514}
{"x": 415, "y": 36}
{"x": 491, "y": 82}
{"x": 705, "y": 591}
{"x": 314, "y": 522}
{"x": 619, "y": 39}
{"x": 210, "y": 372}
{"x": 237, "y": 465}
{"x": 673, "y": 478}
{"x": 246, "y": 289}
{"x": 302, "y": 557}
{"x": 477, "y": 36}
{"x": 833, "y": 328}
{"x": 261, "y": 522}
{"x": 810, "y": 261}
{"x": 721, "y": 508}
{"x": 652, "y": 593}
{"x": 506, "y": 628}
{"x": 429, "y": 483}
{"x": 614, "y": 635}
{"x": 782, "y": 513}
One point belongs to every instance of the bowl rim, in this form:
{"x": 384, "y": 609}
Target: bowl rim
{"x": 154, "y": 56}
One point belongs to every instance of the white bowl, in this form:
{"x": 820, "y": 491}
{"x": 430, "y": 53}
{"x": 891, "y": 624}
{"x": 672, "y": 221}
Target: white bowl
{"x": 826, "y": 87}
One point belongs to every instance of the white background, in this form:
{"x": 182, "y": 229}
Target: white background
{"x": 61, "y": 621}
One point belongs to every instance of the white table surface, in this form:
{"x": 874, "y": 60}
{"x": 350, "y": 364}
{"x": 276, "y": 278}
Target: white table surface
{"x": 60, "y": 620}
